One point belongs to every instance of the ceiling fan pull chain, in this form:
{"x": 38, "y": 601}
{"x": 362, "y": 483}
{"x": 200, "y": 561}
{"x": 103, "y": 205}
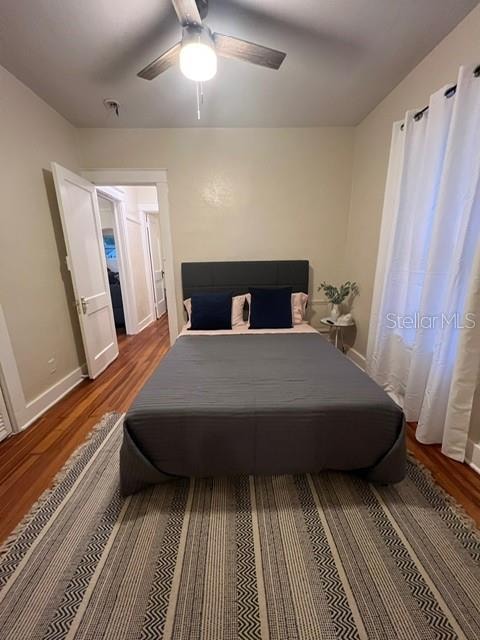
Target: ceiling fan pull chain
{"x": 198, "y": 100}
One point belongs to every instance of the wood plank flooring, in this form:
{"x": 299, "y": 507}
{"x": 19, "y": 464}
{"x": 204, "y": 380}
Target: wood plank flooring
{"x": 30, "y": 460}
{"x": 457, "y": 478}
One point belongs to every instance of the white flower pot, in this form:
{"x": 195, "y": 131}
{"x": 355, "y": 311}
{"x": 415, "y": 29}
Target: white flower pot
{"x": 336, "y": 312}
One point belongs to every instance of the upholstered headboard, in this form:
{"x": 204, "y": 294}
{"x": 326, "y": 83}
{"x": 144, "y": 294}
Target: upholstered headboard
{"x": 237, "y": 277}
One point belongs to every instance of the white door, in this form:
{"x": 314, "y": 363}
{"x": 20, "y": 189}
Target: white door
{"x": 5, "y": 425}
{"x": 77, "y": 200}
{"x": 153, "y": 230}
{"x": 139, "y": 268}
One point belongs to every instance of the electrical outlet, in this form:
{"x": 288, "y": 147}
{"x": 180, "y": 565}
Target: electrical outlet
{"x": 52, "y": 364}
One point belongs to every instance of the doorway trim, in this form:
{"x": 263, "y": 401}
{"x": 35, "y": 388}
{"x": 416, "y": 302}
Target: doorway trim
{"x": 146, "y": 214}
{"x": 137, "y": 219}
{"x": 148, "y": 177}
{"x": 115, "y": 196}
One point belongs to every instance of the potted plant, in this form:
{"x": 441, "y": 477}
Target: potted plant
{"x": 336, "y": 295}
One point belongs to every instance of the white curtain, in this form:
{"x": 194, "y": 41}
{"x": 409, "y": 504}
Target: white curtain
{"x": 424, "y": 336}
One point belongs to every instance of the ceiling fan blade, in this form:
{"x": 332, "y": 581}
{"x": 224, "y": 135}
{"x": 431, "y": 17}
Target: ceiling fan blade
{"x": 162, "y": 63}
{"x": 187, "y": 12}
{"x": 230, "y": 47}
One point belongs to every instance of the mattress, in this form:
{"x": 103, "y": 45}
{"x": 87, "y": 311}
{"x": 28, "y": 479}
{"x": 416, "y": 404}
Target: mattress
{"x": 243, "y": 329}
{"x": 268, "y": 403}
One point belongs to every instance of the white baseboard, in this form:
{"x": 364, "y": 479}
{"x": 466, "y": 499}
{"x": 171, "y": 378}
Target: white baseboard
{"x": 357, "y": 358}
{"x": 37, "y": 407}
{"x": 472, "y": 455}
{"x": 145, "y": 323}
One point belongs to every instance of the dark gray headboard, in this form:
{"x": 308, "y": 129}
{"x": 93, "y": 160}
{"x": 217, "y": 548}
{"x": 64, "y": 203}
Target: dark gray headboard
{"x": 237, "y": 277}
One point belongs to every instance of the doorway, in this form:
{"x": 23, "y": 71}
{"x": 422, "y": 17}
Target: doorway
{"x": 113, "y": 260}
{"x": 145, "y": 179}
{"x": 156, "y": 261}
{"x": 133, "y": 254}
{"x": 124, "y": 237}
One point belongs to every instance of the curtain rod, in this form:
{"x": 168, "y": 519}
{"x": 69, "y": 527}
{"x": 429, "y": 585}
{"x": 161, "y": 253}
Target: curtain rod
{"x": 448, "y": 94}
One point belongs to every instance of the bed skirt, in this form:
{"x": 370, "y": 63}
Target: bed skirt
{"x": 137, "y": 472}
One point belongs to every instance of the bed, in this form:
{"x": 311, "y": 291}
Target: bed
{"x": 258, "y": 402}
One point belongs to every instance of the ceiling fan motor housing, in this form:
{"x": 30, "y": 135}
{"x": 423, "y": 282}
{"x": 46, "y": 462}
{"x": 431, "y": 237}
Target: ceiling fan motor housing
{"x": 202, "y": 6}
{"x": 197, "y": 33}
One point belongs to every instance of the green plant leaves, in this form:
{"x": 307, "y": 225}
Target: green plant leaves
{"x": 336, "y": 295}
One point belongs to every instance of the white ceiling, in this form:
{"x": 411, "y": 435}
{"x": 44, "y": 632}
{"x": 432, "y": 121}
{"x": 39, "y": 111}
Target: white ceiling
{"x": 343, "y": 57}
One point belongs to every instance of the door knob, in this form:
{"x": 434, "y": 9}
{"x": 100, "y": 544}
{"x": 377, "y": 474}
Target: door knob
{"x": 83, "y": 303}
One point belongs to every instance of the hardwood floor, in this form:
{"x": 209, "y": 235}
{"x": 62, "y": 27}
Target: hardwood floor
{"x": 29, "y": 461}
{"x": 458, "y": 479}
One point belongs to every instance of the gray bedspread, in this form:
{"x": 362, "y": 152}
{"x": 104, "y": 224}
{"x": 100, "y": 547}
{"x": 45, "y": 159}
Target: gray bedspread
{"x": 259, "y": 404}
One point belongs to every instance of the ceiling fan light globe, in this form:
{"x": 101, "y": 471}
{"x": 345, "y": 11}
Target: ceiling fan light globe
{"x": 198, "y": 61}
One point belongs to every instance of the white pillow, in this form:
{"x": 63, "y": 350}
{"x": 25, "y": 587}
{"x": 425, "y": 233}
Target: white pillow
{"x": 238, "y": 303}
{"x": 188, "y": 308}
{"x": 299, "y": 305}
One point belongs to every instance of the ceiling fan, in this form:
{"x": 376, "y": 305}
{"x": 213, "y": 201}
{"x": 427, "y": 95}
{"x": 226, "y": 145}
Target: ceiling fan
{"x": 199, "y": 47}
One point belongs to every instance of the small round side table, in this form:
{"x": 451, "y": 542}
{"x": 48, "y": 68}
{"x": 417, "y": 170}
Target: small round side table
{"x": 338, "y": 331}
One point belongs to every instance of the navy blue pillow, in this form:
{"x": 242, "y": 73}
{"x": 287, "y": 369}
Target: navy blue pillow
{"x": 271, "y": 308}
{"x": 211, "y": 311}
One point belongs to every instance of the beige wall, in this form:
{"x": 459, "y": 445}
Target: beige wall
{"x": 35, "y": 288}
{"x": 372, "y": 144}
{"x": 107, "y": 218}
{"x": 239, "y": 194}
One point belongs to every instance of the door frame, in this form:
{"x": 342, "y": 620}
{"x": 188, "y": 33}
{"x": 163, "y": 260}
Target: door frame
{"x": 116, "y": 197}
{"x": 6, "y": 427}
{"x": 147, "y": 213}
{"x": 10, "y": 379}
{"x": 157, "y": 178}
{"x": 138, "y": 219}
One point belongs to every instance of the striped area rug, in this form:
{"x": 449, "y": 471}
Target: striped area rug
{"x": 286, "y": 557}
